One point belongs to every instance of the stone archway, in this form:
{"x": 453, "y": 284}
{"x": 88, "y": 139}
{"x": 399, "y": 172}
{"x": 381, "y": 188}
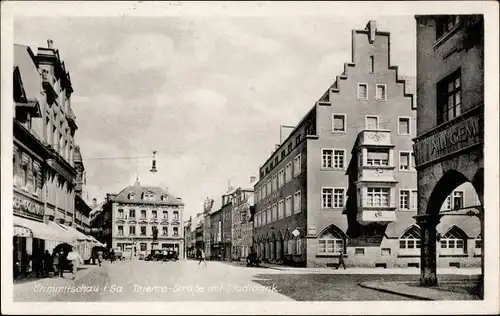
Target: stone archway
{"x": 434, "y": 185}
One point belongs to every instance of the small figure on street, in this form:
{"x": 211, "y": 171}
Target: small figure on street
{"x": 341, "y": 260}
{"x": 61, "y": 261}
{"x": 112, "y": 255}
{"x": 252, "y": 258}
{"x": 55, "y": 263}
{"x": 37, "y": 263}
{"x": 75, "y": 259}
{"x": 47, "y": 263}
{"x": 202, "y": 257}
{"x": 99, "y": 257}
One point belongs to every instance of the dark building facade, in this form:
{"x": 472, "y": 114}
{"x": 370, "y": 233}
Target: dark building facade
{"x": 449, "y": 146}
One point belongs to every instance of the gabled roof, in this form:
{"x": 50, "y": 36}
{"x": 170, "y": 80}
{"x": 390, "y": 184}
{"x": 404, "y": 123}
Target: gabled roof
{"x": 137, "y": 190}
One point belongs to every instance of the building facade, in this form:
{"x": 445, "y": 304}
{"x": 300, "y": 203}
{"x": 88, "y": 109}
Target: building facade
{"x": 216, "y": 241}
{"x": 449, "y": 146}
{"x": 241, "y": 230}
{"x": 43, "y": 155}
{"x": 137, "y": 211}
{"x": 189, "y": 246}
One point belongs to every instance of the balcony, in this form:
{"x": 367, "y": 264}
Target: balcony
{"x": 380, "y": 137}
{"x": 48, "y": 84}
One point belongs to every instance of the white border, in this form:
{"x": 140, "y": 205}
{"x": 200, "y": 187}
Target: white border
{"x": 276, "y": 9}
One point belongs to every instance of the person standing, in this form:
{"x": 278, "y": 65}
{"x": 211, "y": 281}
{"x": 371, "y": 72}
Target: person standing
{"x": 55, "y": 263}
{"x": 47, "y": 263}
{"x": 99, "y": 257}
{"x": 75, "y": 259}
{"x": 341, "y": 260}
{"x": 202, "y": 257}
{"x": 61, "y": 261}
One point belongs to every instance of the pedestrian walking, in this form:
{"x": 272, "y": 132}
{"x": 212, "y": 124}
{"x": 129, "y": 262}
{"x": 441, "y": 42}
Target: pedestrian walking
{"x": 75, "y": 259}
{"x": 341, "y": 260}
{"x": 99, "y": 257}
{"x": 112, "y": 255}
{"x": 55, "y": 263}
{"x": 47, "y": 263}
{"x": 202, "y": 257}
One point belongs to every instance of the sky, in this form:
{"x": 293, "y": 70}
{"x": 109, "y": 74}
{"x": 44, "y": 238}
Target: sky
{"x": 207, "y": 93}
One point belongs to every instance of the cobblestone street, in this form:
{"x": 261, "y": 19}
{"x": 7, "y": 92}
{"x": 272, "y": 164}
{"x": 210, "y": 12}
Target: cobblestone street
{"x": 142, "y": 281}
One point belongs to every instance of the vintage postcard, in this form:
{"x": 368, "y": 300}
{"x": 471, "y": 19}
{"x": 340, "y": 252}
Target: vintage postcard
{"x": 250, "y": 157}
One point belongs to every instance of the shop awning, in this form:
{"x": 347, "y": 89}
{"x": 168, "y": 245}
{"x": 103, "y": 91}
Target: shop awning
{"x": 97, "y": 242}
{"x": 70, "y": 238}
{"x": 78, "y": 235}
{"x": 41, "y": 230}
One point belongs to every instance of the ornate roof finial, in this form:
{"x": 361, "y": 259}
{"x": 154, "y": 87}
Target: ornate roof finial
{"x": 137, "y": 183}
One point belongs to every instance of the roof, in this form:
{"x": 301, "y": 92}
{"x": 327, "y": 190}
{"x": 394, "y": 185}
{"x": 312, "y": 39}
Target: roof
{"x": 216, "y": 205}
{"x": 137, "y": 190}
{"x": 23, "y": 59}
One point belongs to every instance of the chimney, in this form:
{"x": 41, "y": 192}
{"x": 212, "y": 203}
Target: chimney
{"x": 94, "y": 203}
{"x": 50, "y": 43}
{"x": 252, "y": 179}
{"x": 371, "y": 27}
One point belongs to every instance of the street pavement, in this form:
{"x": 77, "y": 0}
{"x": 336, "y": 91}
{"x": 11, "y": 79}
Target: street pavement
{"x": 185, "y": 280}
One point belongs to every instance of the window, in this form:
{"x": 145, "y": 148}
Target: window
{"x": 449, "y": 97}
{"x": 268, "y": 216}
{"x": 274, "y": 212}
{"x": 296, "y": 202}
{"x": 447, "y": 203}
{"x": 371, "y": 65}
{"x": 371, "y": 122}
{"x": 165, "y": 231}
{"x": 288, "y": 206}
{"x": 131, "y": 214}
{"x": 377, "y": 197}
{"x": 377, "y": 157}
{"x": 281, "y": 179}
{"x": 143, "y": 246}
{"x": 143, "y": 214}
{"x": 176, "y": 215}
{"x": 410, "y": 239}
{"x": 381, "y": 93}
{"x": 298, "y": 249}
{"x": 403, "y": 126}
{"x": 327, "y": 158}
{"x": 414, "y": 200}
{"x": 288, "y": 172}
{"x": 359, "y": 251}
{"x": 131, "y": 230}
{"x": 290, "y": 147}
{"x": 296, "y": 166}
{"x": 274, "y": 183}
{"x": 330, "y": 244}
{"x": 281, "y": 210}
{"x": 477, "y": 242}
{"x": 362, "y": 91}
{"x": 143, "y": 230}
{"x": 404, "y": 161}
{"x": 338, "y": 158}
{"x": 276, "y": 160}
{"x": 444, "y": 24}
{"x": 176, "y": 231}
{"x": 297, "y": 140}
{"x": 165, "y": 214}
{"x": 339, "y": 123}
{"x": 404, "y": 200}
{"x": 283, "y": 154}
{"x": 154, "y": 214}
{"x": 458, "y": 199}
{"x": 131, "y": 196}
{"x": 120, "y": 214}
{"x": 326, "y": 197}
{"x": 453, "y": 242}
{"x": 120, "y": 230}
{"x": 269, "y": 187}
{"x": 338, "y": 197}
{"x": 385, "y": 251}
{"x": 412, "y": 162}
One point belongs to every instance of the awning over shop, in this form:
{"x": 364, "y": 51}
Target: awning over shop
{"x": 97, "y": 242}
{"x": 70, "y": 238}
{"x": 78, "y": 235}
{"x": 40, "y": 230}
{"x": 20, "y": 231}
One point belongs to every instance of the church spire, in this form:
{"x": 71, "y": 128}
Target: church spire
{"x": 137, "y": 183}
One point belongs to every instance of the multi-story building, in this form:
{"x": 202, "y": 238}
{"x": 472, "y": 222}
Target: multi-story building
{"x": 226, "y": 210}
{"x": 43, "y": 164}
{"x": 82, "y": 209}
{"x": 335, "y": 183}
{"x": 189, "y": 247}
{"x": 240, "y": 220}
{"x": 136, "y": 212}
{"x": 216, "y": 241}
{"x": 209, "y": 206}
{"x": 449, "y": 146}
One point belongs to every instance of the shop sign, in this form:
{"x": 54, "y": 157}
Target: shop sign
{"x": 26, "y": 206}
{"x": 378, "y": 216}
{"x": 457, "y": 137}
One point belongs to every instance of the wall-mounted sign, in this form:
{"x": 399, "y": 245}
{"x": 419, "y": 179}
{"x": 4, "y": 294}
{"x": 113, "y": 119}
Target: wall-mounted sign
{"x": 378, "y": 216}
{"x": 455, "y": 138}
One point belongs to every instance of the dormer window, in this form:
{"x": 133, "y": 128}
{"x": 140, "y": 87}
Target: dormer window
{"x": 131, "y": 196}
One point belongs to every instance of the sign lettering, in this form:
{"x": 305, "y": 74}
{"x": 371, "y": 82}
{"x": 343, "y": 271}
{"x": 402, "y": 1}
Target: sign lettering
{"x": 459, "y": 136}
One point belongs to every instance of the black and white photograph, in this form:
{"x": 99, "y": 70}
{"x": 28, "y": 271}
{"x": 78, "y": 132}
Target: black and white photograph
{"x": 250, "y": 157}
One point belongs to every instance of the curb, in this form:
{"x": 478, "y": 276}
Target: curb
{"x": 395, "y": 292}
